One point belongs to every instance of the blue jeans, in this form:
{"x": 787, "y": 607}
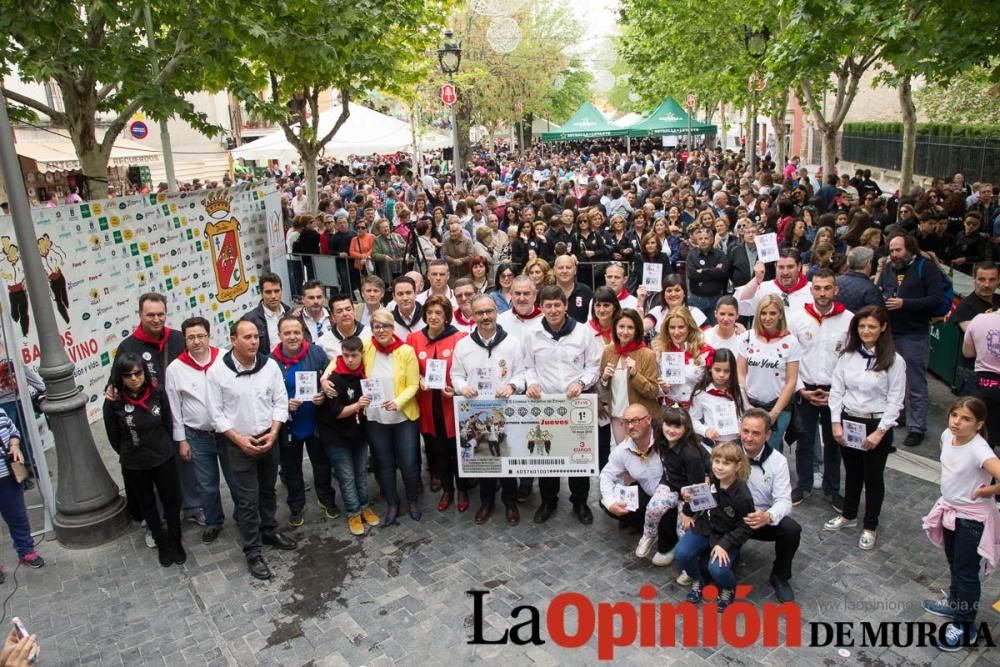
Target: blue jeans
{"x": 961, "y": 548}
{"x": 688, "y": 552}
{"x": 15, "y": 515}
{"x": 208, "y": 454}
{"x": 914, "y": 348}
{"x": 396, "y": 445}
{"x": 777, "y": 439}
{"x": 705, "y": 304}
{"x": 350, "y": 466}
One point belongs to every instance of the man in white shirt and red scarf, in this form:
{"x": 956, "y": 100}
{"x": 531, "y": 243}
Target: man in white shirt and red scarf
{"x": 790, "y": 285}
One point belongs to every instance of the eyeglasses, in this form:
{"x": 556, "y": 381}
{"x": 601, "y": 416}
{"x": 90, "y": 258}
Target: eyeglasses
{"x": 634, "y": 421}
{"x": 132, "y": 374}
{"x": 382, "y": 327}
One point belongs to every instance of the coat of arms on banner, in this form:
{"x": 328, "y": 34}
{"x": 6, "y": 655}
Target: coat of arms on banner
{"x": 227, "y": 254}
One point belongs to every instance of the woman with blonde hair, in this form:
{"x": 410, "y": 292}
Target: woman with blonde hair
{"x": 680, "y": 345}
{"x": 540, "y": 272}
{"x": 768, "y": 365}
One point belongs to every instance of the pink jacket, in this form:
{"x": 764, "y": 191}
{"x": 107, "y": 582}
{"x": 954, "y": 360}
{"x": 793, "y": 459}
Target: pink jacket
{"x": 943, "y": 515}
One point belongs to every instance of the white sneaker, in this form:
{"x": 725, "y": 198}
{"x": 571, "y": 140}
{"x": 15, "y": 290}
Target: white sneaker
{"x": 662, "y": 560}
{"x": 817, "y": 480}
{"x": 684, "y": 580}
{"x": 645, "y": 546}
{"x": 867, "y": 540}
{"x": 839, "y": 522}
{"x": 150, "y": 542}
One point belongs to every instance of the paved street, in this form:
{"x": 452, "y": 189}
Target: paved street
{"x": 397, "y": 595}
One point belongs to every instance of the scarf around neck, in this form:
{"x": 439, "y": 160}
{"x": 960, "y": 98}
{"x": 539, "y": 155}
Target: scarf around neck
{"x": 803, "y": 281}
{"x": 340, "y": 368}
{"x": 141, "y": 335}
{"x": 838, "y": 308}
{"x": 186, "y": 358}
{"x": 629, "y": 348}
{"x": 141, "y": 401}
{"x": 391, "y": 347}
{"x": 288, "y": 362}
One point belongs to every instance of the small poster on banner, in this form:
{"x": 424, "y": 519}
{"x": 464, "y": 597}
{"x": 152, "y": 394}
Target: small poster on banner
{"x": 484, "y": 381}
{"x": 373, "y": 389}
{"x": 627, "y": 496}
{"x": 436, "y": 370}
{"x": 305, "y": 385}
{"x": 725, "y": 419}
{"x": 652, "y": 277}
{"x": 855, "y": 433}
{"x": 672, "y": 367}
{"x": 767, "y": 247}
{"x": 701, "y": 497}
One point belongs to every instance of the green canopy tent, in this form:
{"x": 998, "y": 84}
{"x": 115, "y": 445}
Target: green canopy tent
{"x": 669, "y": 119}
{"x": 587, "y": 123}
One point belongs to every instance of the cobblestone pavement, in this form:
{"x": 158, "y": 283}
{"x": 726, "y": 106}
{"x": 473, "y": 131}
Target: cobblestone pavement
{"x": 397, "y": 596}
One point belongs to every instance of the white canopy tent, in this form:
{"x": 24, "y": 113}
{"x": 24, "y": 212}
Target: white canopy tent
{"x": 364, "y": 132}
{"x": 629, "y": 119}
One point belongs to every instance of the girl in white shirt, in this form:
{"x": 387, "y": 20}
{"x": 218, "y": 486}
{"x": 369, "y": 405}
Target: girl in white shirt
{"x": 768, "y": 365}
{"x": 727, "y": 331}
{"x": 968, "y": 466}
{"x": 680, "y": 335}
{"x": 866, "y": 398}
{"x": 674, "y": 295}
{"x": 717, "y": 402}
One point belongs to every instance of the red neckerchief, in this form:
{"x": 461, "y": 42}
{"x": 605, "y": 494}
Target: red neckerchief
{"x": 706, "y": 352}
{"x": 186, "y": 358}
{"x": 141, "y": 401}
{"x": 794, "y": 288}
{"x": 603, "y": 333}
{"x": 140, "y": 334}
{"x": 285, "y": 361}
{"x": 391, "y": 347}
{"x": 623, "y": 294}
{"x": 712, "y": 391}
{"x": 629, "y": 348}
{"x": 769, "y": 337}
{"x": 461, "y": 319}
{"x": 838, "y": 308}
{"x": 340, "y": 368}
{"x": 532, "y": 315}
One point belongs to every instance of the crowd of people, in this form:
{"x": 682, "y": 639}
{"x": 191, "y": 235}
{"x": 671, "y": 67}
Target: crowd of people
{"x": 711, "y": 369}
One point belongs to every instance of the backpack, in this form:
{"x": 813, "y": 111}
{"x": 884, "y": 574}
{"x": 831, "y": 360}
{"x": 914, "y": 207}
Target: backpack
{"x": 949, "y": 291}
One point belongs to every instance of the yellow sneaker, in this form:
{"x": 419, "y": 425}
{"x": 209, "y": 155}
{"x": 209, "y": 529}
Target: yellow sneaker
{"x": 356, "y": 525}
{"x": 369, "y": 516}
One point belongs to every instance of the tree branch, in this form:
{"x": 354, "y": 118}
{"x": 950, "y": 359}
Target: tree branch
{"x": 56, "y": 116}
{"x": 345, "y": 111}
{"x": 814, "y": 109}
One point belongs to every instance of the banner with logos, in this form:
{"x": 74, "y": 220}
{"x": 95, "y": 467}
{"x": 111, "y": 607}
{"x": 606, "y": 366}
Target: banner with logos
{"x": 203, "y": 250}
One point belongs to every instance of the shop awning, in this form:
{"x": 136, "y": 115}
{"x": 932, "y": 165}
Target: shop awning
{"x": 59, "y": 155}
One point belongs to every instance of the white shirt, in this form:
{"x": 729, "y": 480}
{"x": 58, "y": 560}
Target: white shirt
{"x": 702, "y": 413}
{"x": 506, "y": 360}
{"x": 822, "y": 343}
{"x": 187, "y": 392}
{"x": 382, "y": 368}
{"x": 859, "y": 390}
{"x": 332, "y": 340}
{"x": 629, "y": 302}
{"x": 796, "y": 300}
{"x": 767, "y": 364}
{"x": 517, "y": 327}
{"x": 248, "y": 403}
{"x": 656, "y": 314}
{"x": 556, "y": 364}
{"x": 404, "y": 331}
{"x": 271, "y": 319}
{"x": 317, "y": 328}
{"x": 300, "y": 204}
{"x": 770, "y": 485}
{"x": 624, "y": 458}
{"x": 962, "y": 468}
{"x": 717, "y": 342}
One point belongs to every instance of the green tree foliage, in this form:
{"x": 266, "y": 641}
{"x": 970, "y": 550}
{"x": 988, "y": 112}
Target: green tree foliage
{"x": 96, "y": 54}
{"x": 969, "y": 97}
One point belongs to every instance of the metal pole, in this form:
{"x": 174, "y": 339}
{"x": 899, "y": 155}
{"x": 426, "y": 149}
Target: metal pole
{"x": 89, "y": 511}
{"x": 689, "y": 128}
{"x": 454, "y": 140}
{"x": 168, "y": 153}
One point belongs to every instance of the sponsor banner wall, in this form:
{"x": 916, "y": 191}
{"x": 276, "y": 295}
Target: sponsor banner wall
{"x": 203, "y": 250}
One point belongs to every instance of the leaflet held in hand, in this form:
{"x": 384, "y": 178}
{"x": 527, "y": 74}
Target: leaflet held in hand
{"x": 305, "y": 385}
{"x": 767, "y": 247}
{"x": 652, "y": 277}
{"x": 373, "y": 389}
{"x": 672, "y": 367}
{"x": 436, "y": 370}
{"x": 701, "y": 497}
{"x": 627, "y": 496}
{"x": 855, "y": 433}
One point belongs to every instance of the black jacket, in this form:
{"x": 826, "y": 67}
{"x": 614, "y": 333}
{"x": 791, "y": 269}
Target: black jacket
{"x": 639, "y": 261}
{"x": 683, "y": 465}
{"x": 341, "y": 431}
{"x": 140, "y": 436}
{"x": 740, "y": 268}
{"x": 708, "y": 273}
{"x": 857, "y": 291}
{"x": 723, "y": 525}
{"x": 154, "y": 361}
{"x": 922, "y": 292}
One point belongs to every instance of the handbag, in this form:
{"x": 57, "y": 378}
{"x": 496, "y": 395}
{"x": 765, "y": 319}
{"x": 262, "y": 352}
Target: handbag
{"x": 18, "y": 470}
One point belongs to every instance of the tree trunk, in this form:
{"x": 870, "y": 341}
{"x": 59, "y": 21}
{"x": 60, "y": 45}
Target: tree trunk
{"x": 94, "y": 165}
{"x": 309, "y": 177}
{"x": 829, "y": 149}
{"x": 778, "y": 122}
{"x": 909, "y": 133}
{"x": 748, "y": 144}
{"x": 722, "y": 125}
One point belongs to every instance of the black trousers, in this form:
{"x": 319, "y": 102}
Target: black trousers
{"x": 443, "y": 462}
{"x": 866, "y": 470}
{"x": 290, "y": 453}
{"x": 603, "y": 446}
{"x": 143, "y": 488}
{"x": 579, "y": 489}
{"x": 254, "y": 477}
{"x": 488, "y": 491}
{"x": 786, "y": 537}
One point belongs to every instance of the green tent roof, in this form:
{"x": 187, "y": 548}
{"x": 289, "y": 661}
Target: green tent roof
{"x": 587, "y": 123}
{"x": 669, "y": 119}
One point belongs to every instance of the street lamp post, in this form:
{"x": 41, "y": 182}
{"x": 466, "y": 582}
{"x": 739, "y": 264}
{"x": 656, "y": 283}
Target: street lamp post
{"x": 89, "y": 510}
{"x": 756, "y": 45}
{"x": 450, "y": 57}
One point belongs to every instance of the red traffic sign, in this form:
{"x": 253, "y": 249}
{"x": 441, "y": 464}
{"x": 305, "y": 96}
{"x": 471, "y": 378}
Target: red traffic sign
{"x": 448, "y": 95}
{"x": 756, "y": 83}
{"x": 138, "y": 130}
{"x": 692, "y": 101}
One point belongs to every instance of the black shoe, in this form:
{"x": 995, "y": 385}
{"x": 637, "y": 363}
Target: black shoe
{"x": 483, "y": 514}
{"x": 913, "y": 438}
{"x": 279, "y": 541}
{"x": 583, "y": 513}
{"x": 523, "y": 491}
{"x": 258, "y": 568}
{"x": 544, "y": 512}
{"x": 177, "y": 552}
{"x": 837, "y": 502}
{"x": 165, "y": 553}
{"x": 782, "y": 589}
{"x": 210, "y": 535}
{"x": 513, "y": 516}
{"x": 27, "y": 485}
{"x": 798, "y": 495}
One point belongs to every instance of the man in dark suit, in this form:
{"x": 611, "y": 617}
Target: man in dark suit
{"x": 743, "y": 257}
